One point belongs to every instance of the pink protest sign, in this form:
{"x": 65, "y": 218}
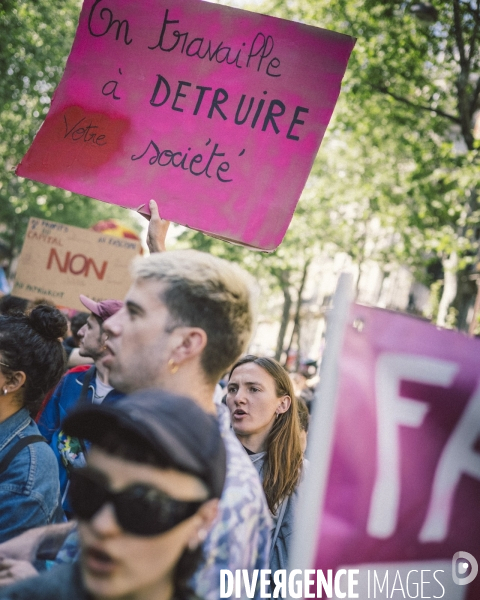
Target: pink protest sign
{"x": 403, "y": 482}
{"x": 217, "y": 113}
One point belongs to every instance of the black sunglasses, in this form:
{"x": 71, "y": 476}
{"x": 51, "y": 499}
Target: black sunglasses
{"x": 140, "y": 509}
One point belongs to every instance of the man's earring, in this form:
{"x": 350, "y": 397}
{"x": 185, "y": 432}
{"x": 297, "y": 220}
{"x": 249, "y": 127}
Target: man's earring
{"x": 104, "y": 347}
{"x": 5, "y": 391}
{"x": 173, "y": 367}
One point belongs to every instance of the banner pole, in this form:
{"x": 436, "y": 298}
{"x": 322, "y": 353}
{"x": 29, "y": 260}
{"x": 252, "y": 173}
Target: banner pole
{"x": 321, "y": 430}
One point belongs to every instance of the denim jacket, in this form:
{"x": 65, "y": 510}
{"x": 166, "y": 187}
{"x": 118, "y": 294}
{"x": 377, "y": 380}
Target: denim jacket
{"x": 29, "y": 487}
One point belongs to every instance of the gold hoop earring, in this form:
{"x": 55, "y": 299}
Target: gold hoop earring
{"x": 173, "y": 367}
{"x": 104, "y": 347}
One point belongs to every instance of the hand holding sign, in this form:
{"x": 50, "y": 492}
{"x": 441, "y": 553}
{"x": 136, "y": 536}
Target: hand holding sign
{"x": 157, "y": 228}
{"x": 221, "y": 109}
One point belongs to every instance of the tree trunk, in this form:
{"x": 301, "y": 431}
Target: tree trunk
{"x": 450, "y": 267}
{"x": 287, "y": 304}
{"x": 296, "y": 322}
{"x": 361, "y": 256}
{"x": 476, "y": 311}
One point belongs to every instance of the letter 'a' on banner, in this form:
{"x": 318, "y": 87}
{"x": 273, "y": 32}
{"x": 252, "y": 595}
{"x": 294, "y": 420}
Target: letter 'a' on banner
{"x": 59, "y": 262}
{"x": 216, "y": 113}
{"x": 392, "y": 491}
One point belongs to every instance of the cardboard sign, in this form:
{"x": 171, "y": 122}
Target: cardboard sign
{"x": 217, "y": 113}
{"x": 403, "y": 484}
{"x": 59, "y": 262}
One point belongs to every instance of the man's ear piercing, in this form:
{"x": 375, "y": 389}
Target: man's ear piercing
{"x": 173, "y": 367}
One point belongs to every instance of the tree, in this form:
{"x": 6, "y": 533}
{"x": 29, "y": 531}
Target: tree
{"x": 36, "y": 40}
{"x": 417, "y": 80}
{"x": 278, "y": 272}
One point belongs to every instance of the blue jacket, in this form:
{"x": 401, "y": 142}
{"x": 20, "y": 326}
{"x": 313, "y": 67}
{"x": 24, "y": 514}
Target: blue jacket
{"x": 29, "y": 487}
{"x": 282, "y": 532}
{"x": 69, "y": 451}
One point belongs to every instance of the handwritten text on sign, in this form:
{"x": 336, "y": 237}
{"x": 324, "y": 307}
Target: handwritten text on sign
{"x": 404, "y": 482}
{"x": 215, "y": 112}
{"x": 60, "y": 262}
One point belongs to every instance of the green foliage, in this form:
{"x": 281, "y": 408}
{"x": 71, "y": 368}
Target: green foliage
{"x": 397, "y": 176}
{"x": 391, "y": 182}
{"x": 435, "y": 295}
{"x": 396, "y": 179}
{"x": 451, "y": 319}
{"x": 36, "y": 38}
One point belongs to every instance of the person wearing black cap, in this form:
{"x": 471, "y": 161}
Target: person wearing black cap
{"x": 144, "y": 501}
{"x": 80, "y": 384}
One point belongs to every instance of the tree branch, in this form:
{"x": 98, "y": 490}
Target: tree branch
{"x": 475, "y": 96}
{"x": 475, "y": 12}
{"x": 440, "y": 113}
{"x": 463, "y": 102}
{"x": 458, "y": 34}
{"x": 473, "y": 39}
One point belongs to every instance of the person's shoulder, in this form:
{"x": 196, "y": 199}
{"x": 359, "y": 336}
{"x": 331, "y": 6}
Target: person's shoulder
{"x": 43, "y": 456}
{"x": 78, "y": 369}
{"x": 73, "y": 379}
{"x": 61, "y": 583}
{"x": 35, "y": 464}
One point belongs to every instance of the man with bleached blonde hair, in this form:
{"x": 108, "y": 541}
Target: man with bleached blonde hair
{"x": 186, "y": 318}
{"x": 206, "y": 309}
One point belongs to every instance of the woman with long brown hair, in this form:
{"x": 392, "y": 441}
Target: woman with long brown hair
{"x": 264, "y": 414}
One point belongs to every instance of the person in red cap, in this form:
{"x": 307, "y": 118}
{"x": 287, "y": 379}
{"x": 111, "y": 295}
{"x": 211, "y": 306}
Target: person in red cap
{"x": 102, "y": 309}
{"x": 77, "y": 356}
{"x": 80, "y": 385}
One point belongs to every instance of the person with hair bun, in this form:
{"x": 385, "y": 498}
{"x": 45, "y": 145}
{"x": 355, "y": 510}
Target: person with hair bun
{"x": 32, "y": 361}
{"x": 264, "y": 412}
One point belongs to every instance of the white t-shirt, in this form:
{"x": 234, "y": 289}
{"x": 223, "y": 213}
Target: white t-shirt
{"x": 101, "y": 390}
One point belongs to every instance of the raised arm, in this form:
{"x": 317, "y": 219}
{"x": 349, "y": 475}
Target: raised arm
{"x": 157, "y": 229}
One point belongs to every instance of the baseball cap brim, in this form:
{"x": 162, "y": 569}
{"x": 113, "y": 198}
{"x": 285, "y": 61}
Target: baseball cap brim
{"x": 103, "y": 309}
{"x": 90, "y": 304}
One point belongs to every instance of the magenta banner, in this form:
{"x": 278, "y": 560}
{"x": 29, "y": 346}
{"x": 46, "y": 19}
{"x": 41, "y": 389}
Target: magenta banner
{"x": 401, "y": 512}
{"x": 217, "y": 113}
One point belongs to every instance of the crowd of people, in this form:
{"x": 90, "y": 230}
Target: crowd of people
{"x": 128, "y": 475}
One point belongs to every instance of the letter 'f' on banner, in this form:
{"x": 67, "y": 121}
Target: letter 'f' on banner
{"x": 394, "y": 411}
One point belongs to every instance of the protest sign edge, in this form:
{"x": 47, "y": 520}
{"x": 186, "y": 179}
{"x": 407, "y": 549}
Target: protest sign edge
{"x": 222, "y": 13}
{"x": 321, "y": 433}
{"x": 21, "y": 265}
